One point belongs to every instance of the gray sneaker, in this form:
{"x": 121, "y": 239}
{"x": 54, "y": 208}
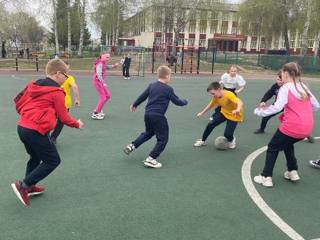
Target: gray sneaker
{"x": 315, "y": 163}
{"x": 129, "y": 148}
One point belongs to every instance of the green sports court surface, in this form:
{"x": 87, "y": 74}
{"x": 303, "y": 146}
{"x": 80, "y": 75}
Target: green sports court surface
{"x": 100, "y": 193}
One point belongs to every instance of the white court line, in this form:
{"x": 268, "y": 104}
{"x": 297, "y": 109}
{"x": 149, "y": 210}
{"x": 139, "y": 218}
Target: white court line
{"x": 258, "y": 200}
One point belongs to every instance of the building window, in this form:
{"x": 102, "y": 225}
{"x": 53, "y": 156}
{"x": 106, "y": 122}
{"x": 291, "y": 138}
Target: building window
{"x": 253, "y": 44}
{"x": 276, "y": 44}
{"x": 191, "y": 42}
{"x": 292, "y": 42}
{"x": 158, "y": 25}
{"x": 203, "y": 26}
{"x": 224, "y": 28}
{"x": 213, "y": 26}
{"x": 202, "y": 43}
{"x": 225, "y": 16}
{"x": 181, "y": 41}
{"x": 192, "y": 26}
{"x": 244, "y": 44}
{"x": 263, "y": 44}
{"x": 158, "y": 41}
{"x": 214, "y": 15}
{"x": 310, "y": 43}
{"x": 234, "y": 30}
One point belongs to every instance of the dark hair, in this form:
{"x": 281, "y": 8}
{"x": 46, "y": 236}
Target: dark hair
{"x": 279, "y": 74}
{"x": 214, "y": 85}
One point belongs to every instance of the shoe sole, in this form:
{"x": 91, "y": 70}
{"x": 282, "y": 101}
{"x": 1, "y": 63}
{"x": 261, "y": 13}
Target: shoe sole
{"x": 35, "y": 194}
{"x": 151, "y": 165}
{"x": 15, "y": 190}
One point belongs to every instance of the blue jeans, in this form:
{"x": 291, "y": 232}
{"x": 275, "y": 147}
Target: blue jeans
{"x": 218, "y": 118}
{"x": 158, "y": 126}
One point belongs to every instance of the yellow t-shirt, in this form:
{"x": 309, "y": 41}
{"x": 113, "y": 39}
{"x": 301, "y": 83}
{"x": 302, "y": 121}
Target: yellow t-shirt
{"x": 228, "y": 103}
{"x": 66, "y": 87}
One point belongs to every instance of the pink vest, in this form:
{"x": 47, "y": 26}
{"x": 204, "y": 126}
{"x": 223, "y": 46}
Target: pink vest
{"x": 297, "y": 118}
{"x": 95, "y": 77}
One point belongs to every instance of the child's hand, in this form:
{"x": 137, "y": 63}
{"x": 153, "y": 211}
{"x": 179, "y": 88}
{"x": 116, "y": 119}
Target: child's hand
{"x": 81, "y": 124}
{"x": 199, "y": 115}
{"x": 116, "y": 65}
{"x": 77, "y": 103}
{"x": 262, "y": 105}
{"x": 235, "y": 112}
{"x": 132, "y": 108}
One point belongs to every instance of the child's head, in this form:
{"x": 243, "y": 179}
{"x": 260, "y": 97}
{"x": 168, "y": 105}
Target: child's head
{"x": 164, "y": 73}
{"x": 215, "y": 89}
{"x": 279, "y": 79}
{"x": 57, "y": 70}
{"x": 105, "y": 57}
{"x": 233, "y": 70}
{"x": 291, "y": 72}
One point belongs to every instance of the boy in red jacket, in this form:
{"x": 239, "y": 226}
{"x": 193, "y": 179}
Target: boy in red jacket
{"x": 39, "y": 106}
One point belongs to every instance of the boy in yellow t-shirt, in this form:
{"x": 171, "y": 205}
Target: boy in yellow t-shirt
{"x": 69, "y": 83}
{"x": 231, "y": 111}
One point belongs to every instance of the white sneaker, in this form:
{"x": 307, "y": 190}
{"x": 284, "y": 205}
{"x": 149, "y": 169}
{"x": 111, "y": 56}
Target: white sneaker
{"x": 129, "y": 148}
{"x": 97, "y": 116}
{"x": 199, "y": 143}
{"x": 210, "y": 118}
{"x": 292, "y": 175}
{"x": 150, "y": 162}
{"x": 232, "y": 144}
{"x": 264, "y": 181}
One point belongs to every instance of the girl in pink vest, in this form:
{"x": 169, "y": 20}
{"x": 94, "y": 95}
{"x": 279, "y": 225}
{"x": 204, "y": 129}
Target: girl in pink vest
{"x": 99, "y": 83}
{"x": 296, "y": 123}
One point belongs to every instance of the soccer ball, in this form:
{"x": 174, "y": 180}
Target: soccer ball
{"x": 221, "y": 143}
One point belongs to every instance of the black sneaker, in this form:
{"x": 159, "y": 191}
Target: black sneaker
{"x": 311, "y": 139}
{"x": 258, "y": 131}
{"x": 315, "y": 163}
{"x": 129, "y": 148}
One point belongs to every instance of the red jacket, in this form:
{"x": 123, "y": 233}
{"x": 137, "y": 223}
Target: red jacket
{"x": 45, "y": 105}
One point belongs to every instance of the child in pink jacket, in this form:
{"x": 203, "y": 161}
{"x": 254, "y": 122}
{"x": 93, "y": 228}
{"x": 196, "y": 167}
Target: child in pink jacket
{"x": 296, "y": 123}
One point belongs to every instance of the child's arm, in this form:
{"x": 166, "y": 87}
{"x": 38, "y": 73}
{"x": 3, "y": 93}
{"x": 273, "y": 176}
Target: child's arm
{"x": 140, "y": 99}
{"x": 76, "y": 93}
{"x": 277, "y": 107}
{"x": 269, "y": 94}
{"x": 99, "y": 72}
{"x": 241, "y": 84}
{"x": 112, "y": 66}
{"x": 238, "y": 109}
{"x": 206, "y": 109}
{"x": 176, "y": 100}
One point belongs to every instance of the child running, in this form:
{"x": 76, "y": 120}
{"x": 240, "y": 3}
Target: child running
{"x": 38, "y": 106}
{"x": 232, "y": 82}
{"x": 273, "y": 91}
{"x": 99, "y": 83}
{"x": 298, "y": 104}
{"x": 230, "y": 111}
{"x": 159, "y": 95}
{"x": 69, "y": 83}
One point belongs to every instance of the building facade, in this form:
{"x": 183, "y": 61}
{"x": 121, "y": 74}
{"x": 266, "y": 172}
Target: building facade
{"x": 206, "y": 28}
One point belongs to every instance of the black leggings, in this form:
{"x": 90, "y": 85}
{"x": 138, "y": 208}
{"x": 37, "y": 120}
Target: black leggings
{"x": 280, "y": 142}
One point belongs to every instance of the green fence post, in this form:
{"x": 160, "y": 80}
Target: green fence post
{"x": 225, "y": 57}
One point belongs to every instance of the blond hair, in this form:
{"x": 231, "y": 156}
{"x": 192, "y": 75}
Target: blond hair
{"x": 163, "y": 71}
{"x": 56, "y": 65}
{"x": 295, "y": 71}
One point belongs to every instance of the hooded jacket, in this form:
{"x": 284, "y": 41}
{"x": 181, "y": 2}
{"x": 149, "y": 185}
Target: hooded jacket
{"x": 42, "y": 103}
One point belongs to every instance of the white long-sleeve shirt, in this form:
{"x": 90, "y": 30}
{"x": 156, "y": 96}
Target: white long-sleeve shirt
{"x": 282, "y": 100}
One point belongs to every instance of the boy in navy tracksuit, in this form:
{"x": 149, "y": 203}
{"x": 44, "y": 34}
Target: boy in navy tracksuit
{"x": 159, "y": 94}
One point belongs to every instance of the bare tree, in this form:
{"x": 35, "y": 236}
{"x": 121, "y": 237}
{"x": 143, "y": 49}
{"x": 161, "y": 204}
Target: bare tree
{"x": 82, "y": 10}
{"x": 69, "y": 26}
{"x": 55, "y": 20}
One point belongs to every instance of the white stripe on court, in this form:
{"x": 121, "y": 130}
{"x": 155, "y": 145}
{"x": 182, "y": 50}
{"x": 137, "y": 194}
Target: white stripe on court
{"x": 258, "y": 200}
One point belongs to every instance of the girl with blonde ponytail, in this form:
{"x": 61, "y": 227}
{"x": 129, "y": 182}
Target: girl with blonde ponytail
{"x": 298, "y": 104}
